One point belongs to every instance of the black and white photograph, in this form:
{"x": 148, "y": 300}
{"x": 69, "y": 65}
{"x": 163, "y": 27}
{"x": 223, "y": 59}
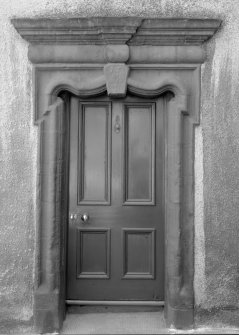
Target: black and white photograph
{"x": 119, "y": 167}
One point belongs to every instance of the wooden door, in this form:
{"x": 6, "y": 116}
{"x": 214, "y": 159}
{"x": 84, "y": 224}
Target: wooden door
{"x": 116, "y": 179}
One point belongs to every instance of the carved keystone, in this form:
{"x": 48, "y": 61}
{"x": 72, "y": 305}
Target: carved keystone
{"x": 116, "y": 75}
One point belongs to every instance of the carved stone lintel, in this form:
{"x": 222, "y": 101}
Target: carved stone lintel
{"x": 100, "y": 54}
{"x": 116, "y": 75}
{"x": 107, "y": 39}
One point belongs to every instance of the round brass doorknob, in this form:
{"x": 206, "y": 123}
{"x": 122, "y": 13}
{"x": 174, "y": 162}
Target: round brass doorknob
{"x": 85, "y": 217}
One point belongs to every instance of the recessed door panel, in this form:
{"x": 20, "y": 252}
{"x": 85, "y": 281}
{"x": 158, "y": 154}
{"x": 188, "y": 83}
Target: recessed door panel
{"x": 116, "y": 234}
{"x": 93, "y": 253}
{"x": 139, "y": 253}
{"x": 139, "y": 154}
{"x": 94, "y": 146}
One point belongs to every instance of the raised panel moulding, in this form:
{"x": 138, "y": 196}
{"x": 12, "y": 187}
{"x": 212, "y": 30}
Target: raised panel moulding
{"x": 116, "y": 30}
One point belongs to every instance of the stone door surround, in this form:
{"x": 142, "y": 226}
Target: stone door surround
{"x": 104, "y": 55}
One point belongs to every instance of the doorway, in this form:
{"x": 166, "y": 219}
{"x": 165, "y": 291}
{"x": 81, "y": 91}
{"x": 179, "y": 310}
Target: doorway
{"x": 116, "y": 242}
{"x": 120, "y": 55}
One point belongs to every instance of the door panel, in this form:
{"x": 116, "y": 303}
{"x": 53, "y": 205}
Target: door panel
{"x": 139, "y": 127}
{"x": 139, "y": 253}
{"x": 116, "y": 177}
{"x": 93, "y": 264}
{"x": 94, "y": 154}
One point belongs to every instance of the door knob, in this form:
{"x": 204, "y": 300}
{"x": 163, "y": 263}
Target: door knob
{"x": 85, "y": 217}
{"x": 73, "y": 216}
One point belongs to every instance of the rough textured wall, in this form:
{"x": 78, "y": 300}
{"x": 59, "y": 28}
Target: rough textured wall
{"x": 17, "y": 181}
{"x": 216, "y": 206}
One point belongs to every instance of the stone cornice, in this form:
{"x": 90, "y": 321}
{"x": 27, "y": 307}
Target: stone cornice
{"x": 116, "y": 30}
{"x": 96, "y": 31}
{"x": 174, "y": 31}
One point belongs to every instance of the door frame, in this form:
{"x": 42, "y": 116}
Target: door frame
{"x": 146, "y": 57}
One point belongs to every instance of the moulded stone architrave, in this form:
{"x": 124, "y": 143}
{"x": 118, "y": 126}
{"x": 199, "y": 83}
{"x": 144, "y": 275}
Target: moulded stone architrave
{"x": 164, "y": 56}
